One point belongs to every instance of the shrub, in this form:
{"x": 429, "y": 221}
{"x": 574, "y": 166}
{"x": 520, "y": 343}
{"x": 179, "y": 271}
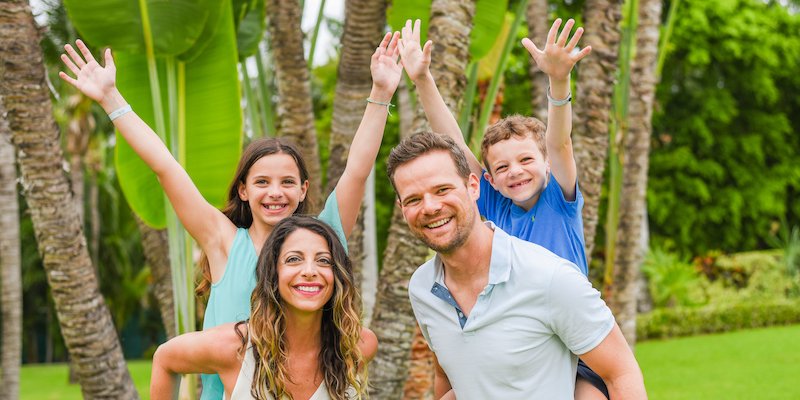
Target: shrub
{"x": 687, "y": 321}
{"x": 671, "y": 280}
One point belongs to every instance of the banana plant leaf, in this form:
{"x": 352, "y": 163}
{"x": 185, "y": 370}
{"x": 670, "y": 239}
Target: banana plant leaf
{"x": 213, "y": 122}
{"x": 176, "y": 25}
{"x": 249, "y": 20}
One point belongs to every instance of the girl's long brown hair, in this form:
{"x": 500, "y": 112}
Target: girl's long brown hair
{"x": 340, "y": 359}
{"x": 238, "y": 211}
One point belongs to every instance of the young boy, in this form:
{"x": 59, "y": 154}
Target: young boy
{"x": 529, "y": 185}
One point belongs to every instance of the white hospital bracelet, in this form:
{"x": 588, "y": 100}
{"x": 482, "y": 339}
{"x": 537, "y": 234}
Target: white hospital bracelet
{"x": 120, "y": 112}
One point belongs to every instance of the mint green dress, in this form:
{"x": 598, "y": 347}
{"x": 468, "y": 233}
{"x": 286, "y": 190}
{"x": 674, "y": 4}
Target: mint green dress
{"x": 230, "y": 296}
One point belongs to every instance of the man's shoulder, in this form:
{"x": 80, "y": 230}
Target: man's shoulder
{"x": 533, "y": 256}
{"x": 422, "y": 279}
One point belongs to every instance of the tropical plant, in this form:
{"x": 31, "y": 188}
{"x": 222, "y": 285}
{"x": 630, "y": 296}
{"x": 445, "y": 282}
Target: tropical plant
{"x": 80, "y": 306}
{"x": 671, "y": 280}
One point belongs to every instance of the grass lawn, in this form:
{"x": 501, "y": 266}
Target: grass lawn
{"x": 752, "y": 364}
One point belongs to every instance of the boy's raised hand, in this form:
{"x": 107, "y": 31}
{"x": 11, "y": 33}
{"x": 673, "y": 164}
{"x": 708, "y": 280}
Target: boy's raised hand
{"x": 557, "y": 58}
{"x": 386, "y": 71}
{"x": 91, "y": 79}
{"x": 416, "y": 60}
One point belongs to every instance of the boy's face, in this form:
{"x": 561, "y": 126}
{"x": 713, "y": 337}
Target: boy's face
{"x": 518, "y": 170}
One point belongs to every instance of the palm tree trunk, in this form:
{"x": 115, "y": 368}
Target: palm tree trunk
{"x": 595, "y": 87}
{"x": 10, "y": 264}
{"x": 364, "y": 22}
{"x": 295, "y": 110}
{"x": 86, "y": 323}
{"x": 622, "y": 295}
{"x": 156, "y": 251}
{"x": 393, "y": 320}
{"x": 537, "y": 18}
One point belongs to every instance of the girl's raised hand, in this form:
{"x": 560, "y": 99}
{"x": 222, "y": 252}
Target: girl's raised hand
{"x": 416, "y": 59}
{"x": 557, "y": 58}
{"x": 91, "y": 79}
{"x": 386, "y": 71}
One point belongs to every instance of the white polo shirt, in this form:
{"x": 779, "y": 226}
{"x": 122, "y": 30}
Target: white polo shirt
{"x": 520, "y": 340}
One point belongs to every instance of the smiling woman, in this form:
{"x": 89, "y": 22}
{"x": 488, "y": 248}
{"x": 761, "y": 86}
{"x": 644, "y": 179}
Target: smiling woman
{"x": 304, "y": 308}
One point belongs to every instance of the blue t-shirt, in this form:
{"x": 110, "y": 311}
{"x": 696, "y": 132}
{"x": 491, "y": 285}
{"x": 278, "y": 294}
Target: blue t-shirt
{"x": 230, "y": 296}
{"x": 553, "y": 222}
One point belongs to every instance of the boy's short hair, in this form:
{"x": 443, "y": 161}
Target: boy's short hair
{"x": 423, "y": 143}
{"x": 513, "y": 126}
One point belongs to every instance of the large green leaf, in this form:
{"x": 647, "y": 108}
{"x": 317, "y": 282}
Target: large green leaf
{"x": 486, "y": 23}
{"x": 212, "y": 116}
{"x": 249, "y": 20}
{"x": 175, "y": 24}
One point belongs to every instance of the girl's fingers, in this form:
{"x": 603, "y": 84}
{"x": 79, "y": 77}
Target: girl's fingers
{"x": 74, "y": 56}
{"x": 416, "y": 30}
{"x": 385, "y": 41}
{"x": 392, "y": 47}
{"x": 109, "y": 60}
{"x": 85, "y": 51}
{"x": 530, "y": 46}
{"x": 70, "y": 65}
{"x": 574, "y": 41}
{"x": 426, "y": 51}
{"x": 562, "y": 38}
{"x": 67, "y": 78}
{"x": 583, "y": 53}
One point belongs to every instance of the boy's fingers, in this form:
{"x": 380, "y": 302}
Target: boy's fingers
{"x": 575, "y": 38}
{"x": 426, "y": 51}
{"x": 385, "y": 40}
{"x": 551, "y": 35}
{"x": 528, "y": 44}
{"x": 85, "y": 51}
{"x": 70, "y": 65}
{"x": 109, "y": 60}
{"x": 393, "y": 42}
{"x": 416, "y": 30}
{"x": 74, "y": 56}
{"x": 562, "y": 38}
{"x": 67, "y": 78}
{"x": 583, "y": 53}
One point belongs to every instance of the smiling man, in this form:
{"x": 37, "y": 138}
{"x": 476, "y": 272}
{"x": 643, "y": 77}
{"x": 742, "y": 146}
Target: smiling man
{"x": 505, "y": 318}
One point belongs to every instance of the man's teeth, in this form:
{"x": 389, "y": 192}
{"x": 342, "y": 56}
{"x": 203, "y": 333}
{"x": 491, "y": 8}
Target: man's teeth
{"x": 309, "y": 289}
{"x": 439, "y": 223}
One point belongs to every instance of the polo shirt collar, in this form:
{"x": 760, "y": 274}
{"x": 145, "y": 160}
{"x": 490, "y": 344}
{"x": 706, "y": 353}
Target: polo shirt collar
{"x": 499, "y": 264}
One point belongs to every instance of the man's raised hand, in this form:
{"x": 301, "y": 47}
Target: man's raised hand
{"x": 386, "y": 71}
{"x": 557, "y": 58}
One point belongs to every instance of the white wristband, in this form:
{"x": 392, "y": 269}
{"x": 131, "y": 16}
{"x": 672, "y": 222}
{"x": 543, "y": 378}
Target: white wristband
{"x": 558, "y": 102}
{"x": 120, "y": 112}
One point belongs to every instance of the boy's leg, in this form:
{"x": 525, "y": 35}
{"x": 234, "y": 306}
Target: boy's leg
{"x": 589, "y": 385}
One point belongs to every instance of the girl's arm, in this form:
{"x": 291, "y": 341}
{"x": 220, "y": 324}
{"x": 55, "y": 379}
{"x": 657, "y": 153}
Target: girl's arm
{"x": 213, "y": 351}
{"x": 386, "y": 74}
{"x": 201, "y": 219}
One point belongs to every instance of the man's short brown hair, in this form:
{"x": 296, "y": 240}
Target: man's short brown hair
{"x": 423, "y": 143}
{"x": 513, "y": 126}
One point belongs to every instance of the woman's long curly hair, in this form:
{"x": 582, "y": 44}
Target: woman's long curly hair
{"x": 340, "y": 358}
{"x": 238, "y": 211}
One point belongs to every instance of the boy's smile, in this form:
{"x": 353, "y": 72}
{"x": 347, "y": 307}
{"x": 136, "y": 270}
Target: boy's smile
{"x": 518, "y": 170}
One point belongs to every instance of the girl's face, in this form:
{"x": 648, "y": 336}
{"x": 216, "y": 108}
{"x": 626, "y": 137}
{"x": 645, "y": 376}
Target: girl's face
{"x": 305, "y": 272}
{"x": 273, "y": 188}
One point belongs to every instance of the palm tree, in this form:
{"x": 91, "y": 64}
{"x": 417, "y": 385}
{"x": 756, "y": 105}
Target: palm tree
{"x": 10, "y": 263}
{"x": 393, "y": 321}
{"x": 537, "y": 18}
{"x": 85, "y": 320}
{"x": 629, "y": 250}
{"x": 295, "y": 111}
{"x": 364, "y": 22}
{"x": 156, "y": 251}
{"x": 595, "y": 86}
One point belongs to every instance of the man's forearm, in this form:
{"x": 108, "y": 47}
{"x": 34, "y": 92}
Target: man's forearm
{"x": 629, "y": 386}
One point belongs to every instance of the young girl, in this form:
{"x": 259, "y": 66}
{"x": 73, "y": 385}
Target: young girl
{"x": 270, "y": 183}
{"x": 303, "y": 338}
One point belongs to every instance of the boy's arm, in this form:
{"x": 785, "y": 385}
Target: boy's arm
{"x": 557, "y": 60}
{"x": 417, "y": 61}
{"x": 386, "y": 73}
{"x": 441, "y": 384}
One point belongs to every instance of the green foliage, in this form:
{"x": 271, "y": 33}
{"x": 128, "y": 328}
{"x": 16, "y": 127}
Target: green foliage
{"x": 723, "y": 166}
{"x": 671, "y": 280}
{"x": 688, "y": 321}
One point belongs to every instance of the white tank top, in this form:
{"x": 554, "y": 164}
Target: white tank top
{"x": 241, "y": 391}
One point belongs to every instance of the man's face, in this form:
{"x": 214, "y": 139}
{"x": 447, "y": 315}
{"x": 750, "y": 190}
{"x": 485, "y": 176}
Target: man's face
{"x": 437, "y": 204}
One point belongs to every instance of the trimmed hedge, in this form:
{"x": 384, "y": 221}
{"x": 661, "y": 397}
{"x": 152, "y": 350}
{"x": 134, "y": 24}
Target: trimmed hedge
{"x": 687, "y": 321}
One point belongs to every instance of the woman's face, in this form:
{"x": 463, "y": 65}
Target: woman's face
{"x": 305, "y": 272}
